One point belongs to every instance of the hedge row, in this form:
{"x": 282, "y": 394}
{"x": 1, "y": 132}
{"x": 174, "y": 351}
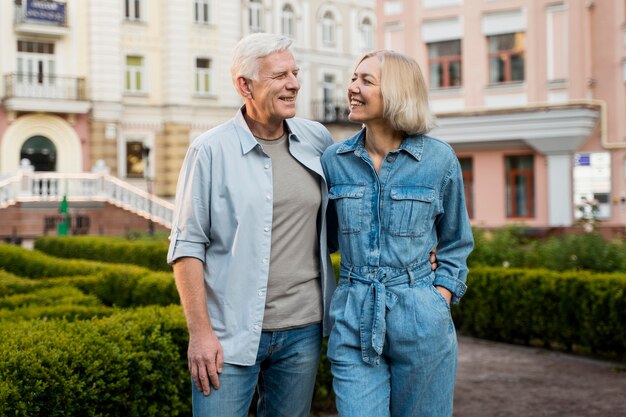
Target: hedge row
{"x": 129, "y": 364}
{"x": 579, "y": 311}
{"x": 148, "y": 254}
{"x": 114, "y": 284}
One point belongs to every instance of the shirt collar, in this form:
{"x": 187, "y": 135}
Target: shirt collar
{"x": 413, "y": 145}
{"x": 247, "y": 139}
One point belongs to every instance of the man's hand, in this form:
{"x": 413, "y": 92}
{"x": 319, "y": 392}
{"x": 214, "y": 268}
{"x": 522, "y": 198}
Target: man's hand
{"x": 205, "y": 359}
{"x": 433, "y": 259}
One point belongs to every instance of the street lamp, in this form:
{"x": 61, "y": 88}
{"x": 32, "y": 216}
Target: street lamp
{"x": 145, "y": 153}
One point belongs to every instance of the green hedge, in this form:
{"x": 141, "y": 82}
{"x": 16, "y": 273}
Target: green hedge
{"x": 114, "y": 284}
{"x": 149, "y": 254}
{"x": 129, "y": 364}
{"x": 579, "y": 311}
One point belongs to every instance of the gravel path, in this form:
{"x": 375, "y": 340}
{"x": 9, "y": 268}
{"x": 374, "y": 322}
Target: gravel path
{"x": 496, "y": 379}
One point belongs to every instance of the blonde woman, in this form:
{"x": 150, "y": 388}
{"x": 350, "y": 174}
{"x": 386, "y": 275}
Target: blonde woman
{"x": 397, "y": 194}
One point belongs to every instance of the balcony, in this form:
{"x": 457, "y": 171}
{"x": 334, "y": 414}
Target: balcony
{"x": 45, "y": 93}
{"x": 335, "y": 111}
{"x": 37, "y": 17}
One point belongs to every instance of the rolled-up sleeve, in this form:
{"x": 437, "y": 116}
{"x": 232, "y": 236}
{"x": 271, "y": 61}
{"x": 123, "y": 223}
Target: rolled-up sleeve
{"x": 192, "y": 216}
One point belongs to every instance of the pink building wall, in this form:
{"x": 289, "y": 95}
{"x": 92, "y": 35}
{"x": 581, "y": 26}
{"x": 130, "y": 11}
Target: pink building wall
{"x": 595, "y": 43}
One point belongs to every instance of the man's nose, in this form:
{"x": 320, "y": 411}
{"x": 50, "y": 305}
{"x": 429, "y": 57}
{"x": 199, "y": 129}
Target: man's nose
{"x": 293, "y": 83}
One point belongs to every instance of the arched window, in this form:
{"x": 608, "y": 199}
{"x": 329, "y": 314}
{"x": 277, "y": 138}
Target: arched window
{"x": 367, "y": 34}
{"x": 328, "y": 29}
{"x": 41, "y": 153}
{"x": 288, "y": 21}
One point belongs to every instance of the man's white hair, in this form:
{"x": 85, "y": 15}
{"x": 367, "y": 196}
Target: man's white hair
{"x": 250, "y": 49}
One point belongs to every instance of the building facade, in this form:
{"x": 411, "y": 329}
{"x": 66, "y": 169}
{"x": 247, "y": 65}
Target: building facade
{"x": 531, "y": 94}
{"x": 123, "y": 86}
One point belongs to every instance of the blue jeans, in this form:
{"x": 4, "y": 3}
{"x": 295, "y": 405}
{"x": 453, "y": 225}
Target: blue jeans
{"x": 284, "y": 375}
{"x": 393, "y": 347}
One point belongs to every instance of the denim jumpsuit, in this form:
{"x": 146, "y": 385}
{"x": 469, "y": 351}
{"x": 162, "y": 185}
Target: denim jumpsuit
{"x": 393, "y": 347}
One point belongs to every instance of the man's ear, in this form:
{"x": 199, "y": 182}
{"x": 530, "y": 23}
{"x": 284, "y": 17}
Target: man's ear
{"x": 243, "y": 84}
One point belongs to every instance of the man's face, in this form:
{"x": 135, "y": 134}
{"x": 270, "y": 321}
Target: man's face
{"x": 274, "y": 93}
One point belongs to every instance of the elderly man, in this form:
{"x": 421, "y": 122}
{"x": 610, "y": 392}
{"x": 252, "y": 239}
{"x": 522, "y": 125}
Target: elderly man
{"x": 249, "y": 245}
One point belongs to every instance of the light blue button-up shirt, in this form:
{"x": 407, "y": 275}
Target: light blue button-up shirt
{"x": 223, "y": 217}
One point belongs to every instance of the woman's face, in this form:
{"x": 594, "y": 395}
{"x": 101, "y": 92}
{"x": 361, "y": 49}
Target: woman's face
{"x": 364, "y": 93}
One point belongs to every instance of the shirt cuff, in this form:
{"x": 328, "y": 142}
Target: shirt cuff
{"x": 183, "y": 248}
{"x": 454, "y": 285}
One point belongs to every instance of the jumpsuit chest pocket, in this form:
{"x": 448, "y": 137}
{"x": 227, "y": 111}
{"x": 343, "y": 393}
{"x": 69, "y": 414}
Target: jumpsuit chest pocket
{"x": 411, "y": 209}
{"x": 348, "y": 200}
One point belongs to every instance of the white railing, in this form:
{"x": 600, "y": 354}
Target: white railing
{"x": 29, "y": 187}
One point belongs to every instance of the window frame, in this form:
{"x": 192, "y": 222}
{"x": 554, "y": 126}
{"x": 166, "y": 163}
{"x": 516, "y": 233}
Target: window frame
{"x": 288, "y": 20}
{"x": 207, "y": 73}
{"x": 134, "y": 10}
{"x": 131, "y": 72}
{"x": 329, "y": 29}
{"x": 445, "y": 61}
{"x": 205, "y": 8}
{"x": 511, "y": 174}
{"x": 467, "y": 172}
{"x": 255, "y": 16}
{"x": 506, "y": 56}
{"x": 366, "y": 32}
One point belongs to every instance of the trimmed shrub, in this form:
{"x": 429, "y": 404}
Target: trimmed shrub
{"x": 69, "y": 312}
{"x": 114, "y": 284}
{"x": 146, "y": 253}
{"x": 579, "y": 311}
{"x": 129, "y": 364}
{"x": 58, "y": 295}
{"x": 11, "y": 284}
{"x": 35, "y": 264}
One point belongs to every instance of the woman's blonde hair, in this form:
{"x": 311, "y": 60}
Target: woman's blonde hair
{"x": 405, "y": 96}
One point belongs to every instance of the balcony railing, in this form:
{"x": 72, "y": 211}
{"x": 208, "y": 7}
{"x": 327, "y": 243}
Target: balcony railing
{"x": 30, "y": 85}
{"x": 335, "y": 111}
{"x": 36, "y": 187}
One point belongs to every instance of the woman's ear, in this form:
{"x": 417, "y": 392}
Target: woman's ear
{"x": 243, "y": 85}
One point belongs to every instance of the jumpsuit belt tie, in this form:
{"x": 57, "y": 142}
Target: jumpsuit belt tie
{"x": 377, "y": 300}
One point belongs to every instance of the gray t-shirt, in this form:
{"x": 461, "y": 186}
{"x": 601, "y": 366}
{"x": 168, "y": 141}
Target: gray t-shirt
{"x": 294, "y": 290}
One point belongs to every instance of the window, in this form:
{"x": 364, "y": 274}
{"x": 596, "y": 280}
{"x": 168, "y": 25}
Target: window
{"x": 134, "y": 74}
{"x": 444, "y": 62}
{"x": 520, "y": 186}
{"x": 204, "y": 76}
{"x": 467, "y": 170}
{"x": 328, "y": 29}
{"x": 506, "y": 57}
{"x": 288, "y": 21}
{"x": 367, "y": 35}
{"x": 132, "y": 9}
{"x": 202, "y": 11}
{"x": 134, "y": 159}
{"x": 329, "y": 97}
{"x": 255, "y": 18}
{"x": 35, "y": 63}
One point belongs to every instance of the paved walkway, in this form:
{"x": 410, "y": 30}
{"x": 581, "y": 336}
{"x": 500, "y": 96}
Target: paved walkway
{"x": 502, "y": 380}
{"x": 496, "y": 379}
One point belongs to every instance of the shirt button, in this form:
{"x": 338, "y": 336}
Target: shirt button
{"x": 267, "y": 166}
{"x": 266, "y": 228}
{"x": 256, "y": 327}
{"x": 390, "y": 159}
{"x": 261, "y": 293}
{"x": 264, "y": 260}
